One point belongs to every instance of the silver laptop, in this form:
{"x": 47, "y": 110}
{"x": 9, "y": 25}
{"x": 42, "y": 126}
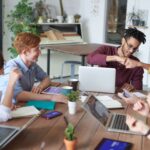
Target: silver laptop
{"x": 97, "y": 79}
{"x": 8, "y": 133}
{"x": 110, "y": 121}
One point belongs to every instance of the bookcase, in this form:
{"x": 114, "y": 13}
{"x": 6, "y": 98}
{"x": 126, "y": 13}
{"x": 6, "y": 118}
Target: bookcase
{"x": 60, "y": 33}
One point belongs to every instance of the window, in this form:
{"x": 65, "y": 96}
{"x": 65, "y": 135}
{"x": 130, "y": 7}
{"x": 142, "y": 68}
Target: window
{"x": 115, "y": 20}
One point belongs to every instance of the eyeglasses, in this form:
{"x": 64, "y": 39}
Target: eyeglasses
{"x": 131, "y": 47}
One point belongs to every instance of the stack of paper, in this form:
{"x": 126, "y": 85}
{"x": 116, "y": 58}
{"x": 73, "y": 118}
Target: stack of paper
{"x": 109, "y": 102}
{"x": 25, "y": 112}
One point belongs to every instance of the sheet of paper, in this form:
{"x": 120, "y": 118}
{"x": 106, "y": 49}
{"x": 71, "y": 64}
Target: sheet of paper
{"x": 25, "y": 111}
{"x": 109, "y": 102}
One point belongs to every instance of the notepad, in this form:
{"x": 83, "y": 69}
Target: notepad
{"x": 109, "y": 102}
{"x": 42, "y": 104}
{"x": 25, "y": 112}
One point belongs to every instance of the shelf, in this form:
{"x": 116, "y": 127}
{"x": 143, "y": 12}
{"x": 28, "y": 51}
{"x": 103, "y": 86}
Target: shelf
{"x": 142, "y": 27}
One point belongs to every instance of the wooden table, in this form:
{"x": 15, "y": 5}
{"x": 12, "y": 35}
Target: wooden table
{"x": 88, "y": 131}
{"x": 75, "y": 49}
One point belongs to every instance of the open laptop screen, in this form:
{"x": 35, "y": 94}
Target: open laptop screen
{"x": 97, "y": 79}
{"x": 97, "y": 109}
{"x": 6, "y": 132}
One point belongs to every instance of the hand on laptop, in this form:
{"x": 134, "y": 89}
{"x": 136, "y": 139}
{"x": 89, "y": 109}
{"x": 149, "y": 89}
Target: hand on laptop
{"x": 136, "y": 125}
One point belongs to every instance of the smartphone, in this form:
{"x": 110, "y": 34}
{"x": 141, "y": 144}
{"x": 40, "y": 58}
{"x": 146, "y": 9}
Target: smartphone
{"x": 110, "y": 144}
{"x": 126, "y": 93}
{"x": 51, "y": 114}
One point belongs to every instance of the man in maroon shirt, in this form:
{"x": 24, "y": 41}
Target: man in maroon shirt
{"x": 115, "y": 57}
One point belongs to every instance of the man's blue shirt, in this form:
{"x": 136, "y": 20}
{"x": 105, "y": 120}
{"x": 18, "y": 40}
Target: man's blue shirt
{"x": 26, "y": 82}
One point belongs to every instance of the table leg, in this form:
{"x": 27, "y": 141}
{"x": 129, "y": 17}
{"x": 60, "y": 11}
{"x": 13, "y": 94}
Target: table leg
{"x": 48, "y": 61}
{"x": 83, "y": 60}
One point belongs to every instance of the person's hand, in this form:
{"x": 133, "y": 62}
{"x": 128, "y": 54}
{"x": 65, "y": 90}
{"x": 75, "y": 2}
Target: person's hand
{"x": 15, "y": 74}
{"x": 37, "y": 89}
{"x": 130, "y": 63}
{"x": 128, "y": 87}
{"x": 131, "y": 100}
{"x": 136, "y": 125}
{"x": 121, "y": 60}
{"x": 60, "y": 98}
{"x": 142, "y": 108}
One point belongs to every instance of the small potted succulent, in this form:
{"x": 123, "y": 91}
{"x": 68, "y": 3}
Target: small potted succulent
{"x": 72, "y": 99}
{"x": 70, "y": 139}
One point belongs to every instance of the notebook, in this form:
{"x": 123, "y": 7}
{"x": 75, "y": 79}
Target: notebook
{"x": 111, "y": 121}
{"x": 97, "y": 79}
{"x": 42, "y": 104}
{"x": 25, "y": 112}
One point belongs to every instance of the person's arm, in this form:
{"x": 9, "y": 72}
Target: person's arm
{"x": 137, "y": 126}
{"x": 7, "y": 100}
{"x": 5, "y": 107}
{"x": 142, "y": 108}
{"x": 131, "y": 100}
{"x": 103, "y": 55}
{"x": 116, "y": 58}
{"x": 43, "y": 85}
{"x": 26, "y": 96}
{"x": 130, "y": 63}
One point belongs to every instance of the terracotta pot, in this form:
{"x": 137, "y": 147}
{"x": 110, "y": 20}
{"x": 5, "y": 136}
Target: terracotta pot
{"x": 70, "y": 145}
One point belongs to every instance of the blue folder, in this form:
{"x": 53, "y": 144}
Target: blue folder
{"x": 42, "y": 104}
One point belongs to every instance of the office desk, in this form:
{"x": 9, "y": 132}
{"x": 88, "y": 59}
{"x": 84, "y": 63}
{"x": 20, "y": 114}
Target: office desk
{"x": 88, "y": 131}
{"x": 75, "y": 49}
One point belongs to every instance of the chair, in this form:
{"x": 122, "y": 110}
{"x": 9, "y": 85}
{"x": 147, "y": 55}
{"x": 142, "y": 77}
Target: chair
{"x": 72, "y": 70}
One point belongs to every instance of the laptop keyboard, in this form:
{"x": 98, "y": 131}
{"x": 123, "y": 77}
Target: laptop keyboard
{"x": 119, "y": 122}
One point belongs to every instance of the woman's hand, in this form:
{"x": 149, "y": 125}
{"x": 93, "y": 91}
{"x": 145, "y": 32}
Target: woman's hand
{"x": 131, "y": 100}
{"x": 136, "y": 125}
{"x": 142, "y": 108}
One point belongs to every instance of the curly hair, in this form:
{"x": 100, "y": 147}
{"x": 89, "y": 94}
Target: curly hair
{"x": 1, "y": 61}
{"x": 133, "y": 32}
{"x": 24, "y": 40}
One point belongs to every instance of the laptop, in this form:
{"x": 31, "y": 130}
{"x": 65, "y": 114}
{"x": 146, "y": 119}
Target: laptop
{"x": 8, "y": 133}
{"x": 110, "y": 121}
{"x": 97, "y": 79}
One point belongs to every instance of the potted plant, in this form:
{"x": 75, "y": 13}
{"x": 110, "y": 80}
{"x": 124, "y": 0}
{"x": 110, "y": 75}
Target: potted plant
{"x": 72, "y": 99}
{"x": 70, "y": 140}
{"x": 19, "y": 20}
{"x": 134, "y": 17}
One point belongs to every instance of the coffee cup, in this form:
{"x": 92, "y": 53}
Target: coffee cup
{"x": 73, "y": 83}
{"x": 66, "y": 90}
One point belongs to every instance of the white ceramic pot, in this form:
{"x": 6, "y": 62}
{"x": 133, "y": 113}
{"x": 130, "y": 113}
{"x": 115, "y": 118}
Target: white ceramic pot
{"x": 72, "y": 107}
